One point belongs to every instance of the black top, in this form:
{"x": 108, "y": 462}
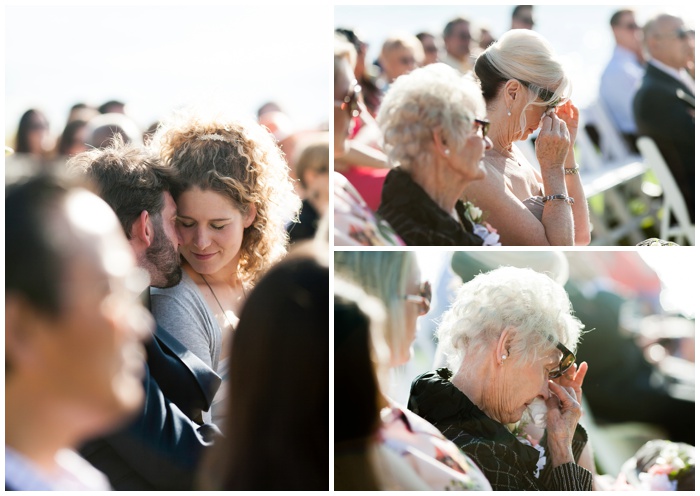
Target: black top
{"x": 669, "y": 120}
{"x": 418, "y": 220}
{"x": 508, "y": 464}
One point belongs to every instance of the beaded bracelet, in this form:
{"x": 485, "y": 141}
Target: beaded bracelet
{"x": 572, "y": 170}
{"x": 567, "y": 199}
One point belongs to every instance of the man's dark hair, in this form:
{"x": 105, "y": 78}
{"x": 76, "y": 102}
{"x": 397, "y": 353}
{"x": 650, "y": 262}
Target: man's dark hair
{"x": 129, "y": 178}
{"x": 35, "y": 250}
{"x": 518, "y": 8}
{"x": 449, "y": 27}
{"x": 615, "y": 19}
{"x": 106, "y": 107}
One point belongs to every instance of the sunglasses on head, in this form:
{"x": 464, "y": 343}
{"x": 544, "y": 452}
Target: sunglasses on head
{"x": 567, "y": 360}
{"x": 423, "y": 298}
{"x": 351, "y": 102}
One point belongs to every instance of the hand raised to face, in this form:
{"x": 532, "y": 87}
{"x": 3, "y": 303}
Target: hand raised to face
{"x": 552, "y": 144}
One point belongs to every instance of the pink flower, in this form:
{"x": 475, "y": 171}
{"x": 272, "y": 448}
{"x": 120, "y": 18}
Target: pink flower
{"x": 660, "y": 469}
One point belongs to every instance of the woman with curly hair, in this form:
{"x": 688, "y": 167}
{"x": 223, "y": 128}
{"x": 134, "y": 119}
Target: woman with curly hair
{"x": 236, "y": 196}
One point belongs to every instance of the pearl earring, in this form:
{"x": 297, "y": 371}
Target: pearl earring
{"x": 503, "y": 357}
{"x": 508, "y": 112}
{"x": 447, "y": 151}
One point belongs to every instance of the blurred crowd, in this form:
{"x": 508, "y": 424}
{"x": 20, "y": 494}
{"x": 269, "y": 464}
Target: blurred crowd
{"x": 646, "y": 89}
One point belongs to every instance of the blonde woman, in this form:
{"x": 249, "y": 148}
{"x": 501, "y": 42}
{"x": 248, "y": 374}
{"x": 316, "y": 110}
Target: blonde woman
{"x": 393, "y": 278}
{"x": 235, "y": 199}
{"x": 525, "y": 89}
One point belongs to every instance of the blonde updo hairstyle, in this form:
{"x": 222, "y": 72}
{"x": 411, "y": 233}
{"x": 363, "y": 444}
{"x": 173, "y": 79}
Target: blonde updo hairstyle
{"x": 243, "y": 163}
{"x": 429, "y": 98}
{"x": 531, "y": 304}
{"x": 526, "y": 56}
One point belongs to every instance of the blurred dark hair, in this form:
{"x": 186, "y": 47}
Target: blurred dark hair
{"x": 24, "y": 127}
{"x": 351, "y": 36}
{"x": 68, "y": 136}
{"x": 277, "y": 425}
{"x": 129, "y": 178}
{"x": 518, "y": 8}
{"x": 106, "y": 107}
{"x": 449, "y": 27}
{"x": 490, "y": 79}
{"x": 615, "y": 19}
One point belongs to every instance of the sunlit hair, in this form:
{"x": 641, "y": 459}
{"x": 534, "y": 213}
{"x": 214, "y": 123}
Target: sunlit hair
{"x": 342, "y": 50}
{"x": 534, "y": 306}
{"x": 527, "y": 56}
{"x": 430, "y": 98}
{"x": 313, "y": 157}
{"x": 242, "y": 162}
{"x": 383, "y": 275}
{"x": 397, "y": 41}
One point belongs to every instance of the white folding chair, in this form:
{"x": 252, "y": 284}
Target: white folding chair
{"x": 673, "y": 202}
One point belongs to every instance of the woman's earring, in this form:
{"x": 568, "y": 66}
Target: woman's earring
{"x": 503, "y": 359}
{"x": 508, "y": 112}
{"x": 447, "y": 151}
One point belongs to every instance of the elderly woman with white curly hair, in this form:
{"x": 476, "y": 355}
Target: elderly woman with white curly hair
{"x": 433, "y": 125}
{"x": 525, "y": 89}
{"x": 508, "y": 338}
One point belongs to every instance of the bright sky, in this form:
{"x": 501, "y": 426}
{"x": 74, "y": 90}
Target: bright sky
{"x": 229, "y": 58}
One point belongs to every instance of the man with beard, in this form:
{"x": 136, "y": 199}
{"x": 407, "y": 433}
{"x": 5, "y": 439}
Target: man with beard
{"x": 161, "y": 449}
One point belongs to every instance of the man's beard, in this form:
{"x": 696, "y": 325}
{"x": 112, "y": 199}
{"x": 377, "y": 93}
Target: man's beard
{"x": 164, "y": 259}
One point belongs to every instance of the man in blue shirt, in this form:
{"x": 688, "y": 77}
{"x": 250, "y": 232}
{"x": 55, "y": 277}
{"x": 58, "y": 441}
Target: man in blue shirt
{"x": 622, "y": 75}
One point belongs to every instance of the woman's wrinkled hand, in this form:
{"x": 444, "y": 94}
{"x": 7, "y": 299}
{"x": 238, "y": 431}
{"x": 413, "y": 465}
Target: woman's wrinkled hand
{"x": 569, "y": 114}
{"x": 573, "y": 378}
{"x": 563, "y": 414}
{"x": 552, "y": 144}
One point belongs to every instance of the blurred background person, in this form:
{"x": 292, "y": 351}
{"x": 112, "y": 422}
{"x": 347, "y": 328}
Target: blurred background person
{"x": 664, "y": 106}
{"x": 400, "y": 55}
{"x": 73, "y": 139}
{"x": 525, "y": 87}
{"x": 434, "y": 128}
{"x": 73, "y": 332}
{"x": 394, "y": 279}
{"x": 431, "y": 51}
{"x": 485, "y": 37}
{"x": 522, "y": 17}
{"x": 623, "y": 74}
{"x": 33, "y": 135}
{"x": 277, "y": 423}
{"x": 458, "y": 45}
{"x": 81, "y": 112}
{"x": 112, "y": 107}
{"x": 365, "y": 75}
{"x": 690, "y": 65}
{"x": 102, "y": 128}
{"x": 312, "y": 173}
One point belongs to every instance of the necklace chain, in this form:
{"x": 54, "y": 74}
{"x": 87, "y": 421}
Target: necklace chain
{"x": 218, "y": 302}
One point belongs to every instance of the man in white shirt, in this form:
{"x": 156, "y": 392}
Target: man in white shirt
{"x": 622, "y": 75}
{"x": 74, "y": 360}
{"x": 458, "y": 45}
{"x": 664, "y": 106}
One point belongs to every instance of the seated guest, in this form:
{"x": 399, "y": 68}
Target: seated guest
{"x": 312, "y": 173}
{"x": 235, "y": 199}
{"x": 33, "y": 135}
{"x": 432, "y": 125}
{"x": 431, "y": 52}
{"x": 73, "y": 332}
{"x": 400, "y": 55}
{"x": 457, "y": 38}
{"x": 103, "y": 127}
{"x": 161, "y": 448}
{"x": 277, "y": 414}
{"x": 664, "y": 106}
{"x": 525, "y": 88}
{"x": 622, "y": 75}
{"x": 394, "y": 279}
{"x": 507, "y": 338}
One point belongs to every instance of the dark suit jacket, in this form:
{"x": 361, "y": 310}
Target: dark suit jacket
{"x": 161, "y": 448}
{"x": 670, "y": 122}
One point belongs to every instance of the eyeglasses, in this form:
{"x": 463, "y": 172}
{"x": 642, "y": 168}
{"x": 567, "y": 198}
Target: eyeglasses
{"x": 567, "y": 360}
{"x": 484, "y": 126}
{"x": 423, "y": 298}
{"x": 682, "y": 33}
{"x": 351, "y": 102}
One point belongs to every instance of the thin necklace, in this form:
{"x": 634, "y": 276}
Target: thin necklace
{"x": 218, "y": 302}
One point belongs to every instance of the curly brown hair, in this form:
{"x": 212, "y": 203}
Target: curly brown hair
{"x": 242, "y": 162}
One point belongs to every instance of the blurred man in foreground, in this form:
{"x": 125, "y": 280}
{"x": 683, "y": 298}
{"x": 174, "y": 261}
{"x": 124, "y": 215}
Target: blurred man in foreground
{"x": 73, "y": 326}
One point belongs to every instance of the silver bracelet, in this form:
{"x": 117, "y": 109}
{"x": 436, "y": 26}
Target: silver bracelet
{"x": 572, "y": 170}
{"x": 567, "y": 199}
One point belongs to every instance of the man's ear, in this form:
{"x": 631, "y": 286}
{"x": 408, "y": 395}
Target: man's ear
{"x": 142, "y": 232}
{"x": 249, "y": 217}
{"x": 22, "y": 322}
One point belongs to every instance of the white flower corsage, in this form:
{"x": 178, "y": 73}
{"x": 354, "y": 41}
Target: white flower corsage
{"x": 481, "y": 228}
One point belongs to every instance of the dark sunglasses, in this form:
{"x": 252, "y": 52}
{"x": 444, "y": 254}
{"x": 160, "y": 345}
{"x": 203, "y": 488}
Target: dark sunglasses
{"x": 423, "y": 298}
{"x": 484, "y": 126}
{"x": 544, "y": 94}
{"x": 682, "y": 33}
{"x": 351, "y": 102}
{"x": 630, "y": 27}
{"x": 567, "y": 360}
